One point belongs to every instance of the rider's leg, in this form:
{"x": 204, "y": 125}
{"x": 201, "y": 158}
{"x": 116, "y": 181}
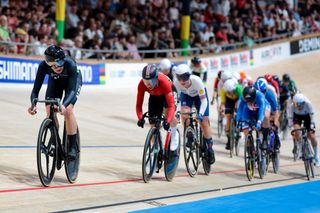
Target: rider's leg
{"x": 265, "y": 129}
{"x": 227, "y": 128}
{"x": 71, "y": 128}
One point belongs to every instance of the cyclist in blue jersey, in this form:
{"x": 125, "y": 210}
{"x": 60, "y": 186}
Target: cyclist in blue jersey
{"x": 261, "y": 85}
{"x": 253, "y": 106}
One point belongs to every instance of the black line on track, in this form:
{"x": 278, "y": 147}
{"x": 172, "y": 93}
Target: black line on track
{"x": 177, "y": 195}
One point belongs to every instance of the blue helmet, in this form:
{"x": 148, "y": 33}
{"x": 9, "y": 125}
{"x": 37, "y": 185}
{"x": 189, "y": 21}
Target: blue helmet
{"x": 261, "y": 85}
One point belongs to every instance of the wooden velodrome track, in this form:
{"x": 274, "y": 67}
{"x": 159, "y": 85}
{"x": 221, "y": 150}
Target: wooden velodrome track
{"x": 110, "y": 172}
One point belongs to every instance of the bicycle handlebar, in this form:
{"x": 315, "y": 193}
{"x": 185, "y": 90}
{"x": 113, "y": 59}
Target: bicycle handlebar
{"x": 55, "y": 102}
{"x": 146, "y": 115}
{"x": 302, "y": 129}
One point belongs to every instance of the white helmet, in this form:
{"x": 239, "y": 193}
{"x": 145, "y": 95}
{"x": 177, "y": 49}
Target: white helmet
{"x": 299, "y": 99}
{"x": 183, "y": 72}
{"x": 226, "y": 75}
{"x": 165, "y": 64}
{"x": 230, "y": 85}
{"x": 182, "y": 69}
{"x": 236, "y": 75}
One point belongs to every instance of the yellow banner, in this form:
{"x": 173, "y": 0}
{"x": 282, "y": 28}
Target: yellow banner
{"x": 60, "y": 9}
{"x": 185, "y": 28}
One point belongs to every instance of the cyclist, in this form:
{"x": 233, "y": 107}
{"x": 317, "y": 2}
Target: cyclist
{"x": 272, "y": 82}
{"x": 167, "y": 68}
{"x": 193, "y": 92}
{"x": 229, "y": 96}
{"x": 159, "y": 86}
{"x": 199, "y": 69}
{"x": 261, "y": 85}
{"x": 63, "y": 77}
{"x": 245, "y": 79}
{"x": 301, "y": 110}
{"x": 216, "y": 89}
{"x": 254, "y": 106}
{"x": 288, "y": 82}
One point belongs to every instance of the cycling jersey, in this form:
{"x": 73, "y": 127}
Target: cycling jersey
{"x": 69, "y": 80}
{"x": 198, "y": 69}
{"x": 163, "y": 88}
{"x": 275, "y": 85}
{"x": 172, "y": 69}
{"x": 248, "y": 111}
{"x": 307, "y": 109}
{"x": 196, "y": 89}
{"x": 272, "y": 99}
{"x": 234, "y": 96}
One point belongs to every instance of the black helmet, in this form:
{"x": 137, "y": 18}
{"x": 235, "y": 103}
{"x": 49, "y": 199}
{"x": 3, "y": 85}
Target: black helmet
{"x": 249, "y": 93}
{"x": 150, "y": 72}
{"x": 54, "y": 54}
{"x": 196, "y": 60}
{"x": 276, "y": 78}
{"x": 286, "y": 77}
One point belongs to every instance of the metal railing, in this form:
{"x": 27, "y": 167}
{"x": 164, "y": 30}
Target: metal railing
{"x": 81, "y": 53}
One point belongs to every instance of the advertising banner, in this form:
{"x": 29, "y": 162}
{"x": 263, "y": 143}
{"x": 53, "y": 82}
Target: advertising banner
{"x": 13, "y": 70}
{"x": 271, "y": 54}
{"x": 123, "y": 75}
{"x": 304, "y": 45}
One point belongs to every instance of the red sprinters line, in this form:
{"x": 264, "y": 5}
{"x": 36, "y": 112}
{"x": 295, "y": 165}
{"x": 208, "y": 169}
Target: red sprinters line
{"x": 116, "y": 182}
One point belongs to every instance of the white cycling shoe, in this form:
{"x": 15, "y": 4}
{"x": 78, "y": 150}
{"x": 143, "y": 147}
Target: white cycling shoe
{"x": 174, "y": 141}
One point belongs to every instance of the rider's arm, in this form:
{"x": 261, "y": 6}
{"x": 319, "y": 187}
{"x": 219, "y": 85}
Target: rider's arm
{"x": 240, "y": 109}
{"x": 202, "y": 95}
{"x": 41, "y": 73}
{"x": 272, "y": 99}
{"x": 222, "y": 96}
{"x": 140, "y": 97}
{"x": 290, "y": 111}
{"x": 72, "y": 82}
{"x": 167, "y": 89}
{"x": 310, "y": 109}
{"x": 203, "y": 68}
{"x": 261, "y": 102}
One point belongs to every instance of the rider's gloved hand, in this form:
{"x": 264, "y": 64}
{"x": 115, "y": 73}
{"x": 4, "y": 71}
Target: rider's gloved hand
{"x": 32, "y": 110}
{"x": 313, "y": 126}
{"x": 178, "y": 114}
{"x": 258, "y": 125}
{"x": 140, "y": 123}
{"x": 166, "y": 125}
{"x": 200, "y": 117}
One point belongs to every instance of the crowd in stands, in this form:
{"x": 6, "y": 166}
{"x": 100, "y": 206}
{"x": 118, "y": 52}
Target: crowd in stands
{"x": 152, "y": 24}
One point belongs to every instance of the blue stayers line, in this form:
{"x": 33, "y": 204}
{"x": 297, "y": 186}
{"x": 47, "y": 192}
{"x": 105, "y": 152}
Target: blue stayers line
{"x": 86, "y": 147}
{"x": 293, "y": 198}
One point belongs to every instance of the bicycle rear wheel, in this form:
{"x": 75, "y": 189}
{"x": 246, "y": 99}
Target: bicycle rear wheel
{"x": 191, "y": 151}
{"x": 150, "y": 155}
{"x": 171, "y": 160}
{"x": 72, "y": 165}
{"x": 46, "y": 152}
{"x": 249, "y": 157}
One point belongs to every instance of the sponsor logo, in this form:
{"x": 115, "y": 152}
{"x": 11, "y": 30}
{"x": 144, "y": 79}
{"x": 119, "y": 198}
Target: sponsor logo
{"x": 244, "y": 58}
{"x": 271, "y": 52}
{"x": 86, "y": 72}
{"x": 214, "y": 63}
{"x": 201, "y": 92}
{"x": 234, "y": 60}
{"x": 18, "y": 71}
{"x": 305, "y": 45}
{"x": 224, "y": 62}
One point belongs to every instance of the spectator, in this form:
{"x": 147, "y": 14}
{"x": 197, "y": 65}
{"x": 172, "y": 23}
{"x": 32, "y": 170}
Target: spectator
{"x": 132, "y": 47}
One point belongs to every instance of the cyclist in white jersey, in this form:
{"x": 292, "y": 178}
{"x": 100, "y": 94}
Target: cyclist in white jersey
{"x": 301, "y": 110}
{"x": 192, "y": 92}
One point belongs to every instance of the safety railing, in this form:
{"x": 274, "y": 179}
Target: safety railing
{"x": 81, "y": 53}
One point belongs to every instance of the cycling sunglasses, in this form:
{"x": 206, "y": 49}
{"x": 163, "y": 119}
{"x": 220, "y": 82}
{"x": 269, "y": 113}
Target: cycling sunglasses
{"x": 54, "y": 63}
{"x": 183, "y": 77}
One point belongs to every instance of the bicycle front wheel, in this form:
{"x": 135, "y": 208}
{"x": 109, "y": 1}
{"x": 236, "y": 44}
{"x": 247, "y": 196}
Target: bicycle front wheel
{"x": 46, "y": 152}
{"x": 150, "y": 155}
{"x": 249, "y": 157}
{"x": 72, "y": 164}
{"x": 191, "y": 151}
{"x": 262, "y": 160}
{"x": 308, "y": 158}
{"x": 219, "y": 125}
{"x": 171, "y": 160}
{"x": 276, "y": 161}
